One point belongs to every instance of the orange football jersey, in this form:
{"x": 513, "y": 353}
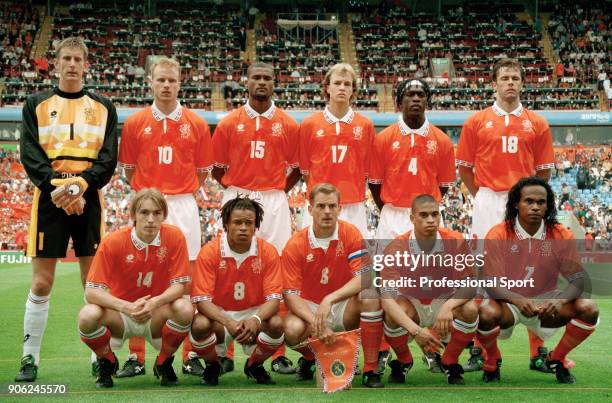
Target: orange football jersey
{"x": 505, "y": 147}
{"x": 408, "y": 164}
{"x": 337, "y": 152}
{"x": 512, "y": 254}
{"x": 256, "y": 149}
{"x": 312, "y": 272}
{"x": 166, "y": 153}
{"x": 216, "y": 277}
{"x": 131, "y": 269}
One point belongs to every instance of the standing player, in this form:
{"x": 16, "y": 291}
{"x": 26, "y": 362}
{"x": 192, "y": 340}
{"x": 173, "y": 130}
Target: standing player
{"x": 452, "y": 312}
{"x": 237, "y": 286}
{"x": 168, "y": 147}
{"x": 254, "y": 146}
{"x": 531, "y": 245}
{"x": 68, "y": 140}
{"x": 497, "y": 147}
{"x": 335, "y": 146}
{"x": 410, "y": 158}
{"x": 324, "y": 267}
{"x": 136, "y": 287}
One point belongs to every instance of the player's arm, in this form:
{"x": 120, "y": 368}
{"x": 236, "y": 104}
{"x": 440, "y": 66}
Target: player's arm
{"x": 252, "y": 325}
{"x": 426, "y": 341}
{"x": 292, "y": 179}
{"x": 33, "y": 157}
{"x": 212, "y": 312}
{"x": 375, "y": 189}
{"x": 105, "y": 300}
{"x": 467, "y": 176}
{"x": 299, "y": 308}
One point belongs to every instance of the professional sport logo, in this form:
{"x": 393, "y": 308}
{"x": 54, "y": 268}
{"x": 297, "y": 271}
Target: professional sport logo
{"x": 489, "y": 125}
{"x": 161, "y": 254}
{"x": 310, "y": 257}
{"x": 277, "y": 129}
{"x": 240, "y": 127}
{"x": 129, "y": 258}
{"x": 514, "y": 248}
{"x": 320, "y": 133}
{"x": 222, "y": 265}
{"x": 256, "y": 266}
{"x": 148, "y": 130}
{"x": 358, "y": 132}
{"x": 527, "y": 125}
{"x": 432, "y": 146}
{"x": 395, "y": 145}
{"x": 185, "y": 130}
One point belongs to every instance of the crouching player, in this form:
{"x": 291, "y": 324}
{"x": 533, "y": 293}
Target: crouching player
{"x": 237, "y": 285}
{"x": 323, "y": 265}
{"x": 135, "y": 288}
{"x": 531, "y": 246}
{"x": 412, "y": 307}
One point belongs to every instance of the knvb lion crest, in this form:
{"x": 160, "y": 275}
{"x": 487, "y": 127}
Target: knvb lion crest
{"x": 256, "y": 266}
{"x": 358, "y": 132}
{"x": 162, "y": 253}
{"x": 185, "y": 130}
{"x": 527, "y": 125}
{"x": 432, "y": 146}
{"x": 340, "y": 249}
{"x": 277, "y": 129}
{"x": 90, "y": 116}
{"x": 546, "y": 249}
{"x": 337, "y": 368}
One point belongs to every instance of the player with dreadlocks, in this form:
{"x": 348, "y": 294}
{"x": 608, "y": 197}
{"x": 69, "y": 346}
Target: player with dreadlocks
{"x": 532, "y": 247}
{"x": 237, "y": 287}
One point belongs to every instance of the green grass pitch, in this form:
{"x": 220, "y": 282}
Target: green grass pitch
{"x": 65, "y": 359}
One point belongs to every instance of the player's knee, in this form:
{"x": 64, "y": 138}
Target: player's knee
{"x": 42, "y": 284}
{"x": 200, "y": 326}
{"x": 587, "y": 310}
{"x": 275, "y": 326}
{"x": 90, "y": 316}
{"x": 294, "y": 328}
{"x": 469, "y": 312}
{"x": 370, "y": 304}
{"x": 182, "y": 311}
{"x": 489, "y": 315}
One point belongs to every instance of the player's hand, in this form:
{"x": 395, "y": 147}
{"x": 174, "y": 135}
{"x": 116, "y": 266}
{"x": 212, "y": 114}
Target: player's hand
{"x": 444, "y": 321}
{"x": 249, "y": 331}
{"x": 320, "y": 317}
{"x": 146, "y": 311}
{"x": 76, "y": 208}
{"x": 135, "y": 306}
{"x": 234, "y": 327}
{"x": 527, "y": 307}
{"x": 550, "y": 308}
{"x": 68, "y": 191}
{"x": 427, "y": 341}
{"x": 327, "y": 336}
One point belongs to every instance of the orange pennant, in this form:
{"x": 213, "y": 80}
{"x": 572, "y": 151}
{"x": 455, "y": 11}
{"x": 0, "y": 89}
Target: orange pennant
{"x": 337, "y": 362}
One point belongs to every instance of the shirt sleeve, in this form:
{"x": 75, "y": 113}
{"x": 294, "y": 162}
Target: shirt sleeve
{"x": 101, "y": 267}
{"x": 446, "y": 175}
{"x": 220, "y": 146}
{"x": 179, "y": 271}
{"x": 304, "y": 148}
{"x": 377, "y": 161}
{"x": 291, "y": 269}
{"x": 204, "y": 156}
{"x": 273, "y": 278}
{"x": 128, "y": 150}
{"x": 544, "y": 155}
{"x": 466, "y": 149}
{"x": 292, "y": 144}
{"x": 34, "y": 159}
{"x": 204, "y": 276}
{"x": 358, "y": 256}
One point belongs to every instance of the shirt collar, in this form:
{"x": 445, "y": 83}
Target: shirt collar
{"x": 522, "y": 234}
{"x": 252, "y": 113}
{"x": 416, "y": 249}
{"x": 421, "y": 131}
{"x": 227, "y": 252}
{"x": 139, "y": 244}
{"x": 500, "y": 112}
{"x": 331, "y": 119}
{"x": 314, "y": 242}
{"x": 174, "y": 115}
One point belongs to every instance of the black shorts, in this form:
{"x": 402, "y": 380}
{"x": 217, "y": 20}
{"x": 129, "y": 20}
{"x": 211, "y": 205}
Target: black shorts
{"x": 51, "y": 228}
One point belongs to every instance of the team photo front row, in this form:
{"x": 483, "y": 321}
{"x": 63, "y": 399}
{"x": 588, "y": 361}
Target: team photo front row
{"x": 140, "y": 276}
